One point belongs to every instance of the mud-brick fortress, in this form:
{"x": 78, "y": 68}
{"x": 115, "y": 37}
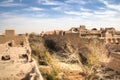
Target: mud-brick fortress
{"x": 15, "y": 58}
{"x": 14, "y": 48}
{"x": 108, "y": 35}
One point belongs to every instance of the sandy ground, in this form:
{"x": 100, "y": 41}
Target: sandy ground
{"x": 19, "y": 71}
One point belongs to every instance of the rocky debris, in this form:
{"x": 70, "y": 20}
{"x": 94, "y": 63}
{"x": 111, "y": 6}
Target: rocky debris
{"x": 107, "y": 73}
{"x": 69, "y": 58}
{"x": 73, "y": 75}
{"x": 114, "y": 62}
{"x": 22, "y": 71}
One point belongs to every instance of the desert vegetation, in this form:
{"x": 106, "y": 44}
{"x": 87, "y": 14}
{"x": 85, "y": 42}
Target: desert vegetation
{"x": 58, "y": 62}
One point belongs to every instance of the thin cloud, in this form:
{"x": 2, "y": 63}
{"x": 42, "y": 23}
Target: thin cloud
{"x": 33, "y": 9}
{"x": 79, "y": 14}
{"x": 57, "y": 8}
{"x": 72, "y": 13}
{"x": 49, "y": 2}
{"x": 107, "y": 12}
{"x": 84, "y": 9}
{"x": 8, "y": 15}
{"x": 77, "y": 1}
{"x": 31, "y": 24}
{"x": 110, "y": 6}
{"x": 9, "y": 3}
{"x": 62, "y": 8}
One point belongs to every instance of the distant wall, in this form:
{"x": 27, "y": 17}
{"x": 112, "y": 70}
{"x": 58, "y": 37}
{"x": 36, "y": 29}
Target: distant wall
{"x": 9, "y": 33}
{"x": 61, "y": 41}
{"x": 19, "y": 40}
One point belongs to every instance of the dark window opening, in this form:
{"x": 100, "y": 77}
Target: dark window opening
{"x": 83, "y": 35}
{"x": 23, "y": 57}
{"x": 63, "y": 33}
{"x": 7, "y": 57}
{"x": 75, "y": 30}
{"x": 94, "y": 29}
{"x": 10, "y": 44}
{"x": 22, "y": 44}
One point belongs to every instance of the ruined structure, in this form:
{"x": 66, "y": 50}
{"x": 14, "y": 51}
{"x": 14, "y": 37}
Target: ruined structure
{"x": 78, "y": 40}
{"x": 109, "y": 35}
{"x": 16, "y": 40}
{"x": 55, "y": 32}
{"x": 15, "y": 58}
{"x": 14, "y": 46}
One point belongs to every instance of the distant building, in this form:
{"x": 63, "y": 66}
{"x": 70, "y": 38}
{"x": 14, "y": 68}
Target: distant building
{"x": 14, "y": 47}
{"x": 10, "y": 36}
{"x": 109, "y": 35}
{"x": 15, "y": 58}
{"x": 9, "y": 33}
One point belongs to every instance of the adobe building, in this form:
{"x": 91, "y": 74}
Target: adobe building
{"x": 17, "y": 40}
{"x": 9, "y": 33}
{"x": 15, "y": 58}
{"x": 109, "y": 35}
{"x": 14, "y": 47}
{"x": 85, "y": 33}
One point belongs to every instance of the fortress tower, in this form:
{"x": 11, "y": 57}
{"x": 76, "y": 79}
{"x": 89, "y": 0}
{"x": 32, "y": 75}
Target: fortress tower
{"x": 9, "y": 33}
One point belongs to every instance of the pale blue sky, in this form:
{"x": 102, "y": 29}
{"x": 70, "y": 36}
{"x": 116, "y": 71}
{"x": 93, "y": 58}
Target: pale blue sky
{"x": 43, "y": 15}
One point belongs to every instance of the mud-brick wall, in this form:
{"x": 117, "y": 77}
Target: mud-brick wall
{"x": 72, "y": 39}
{"x": 9, "y": 33}
{"x": 18, "y": 39}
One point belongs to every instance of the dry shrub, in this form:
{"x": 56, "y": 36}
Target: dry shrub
{"x": 93, "y": 58}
